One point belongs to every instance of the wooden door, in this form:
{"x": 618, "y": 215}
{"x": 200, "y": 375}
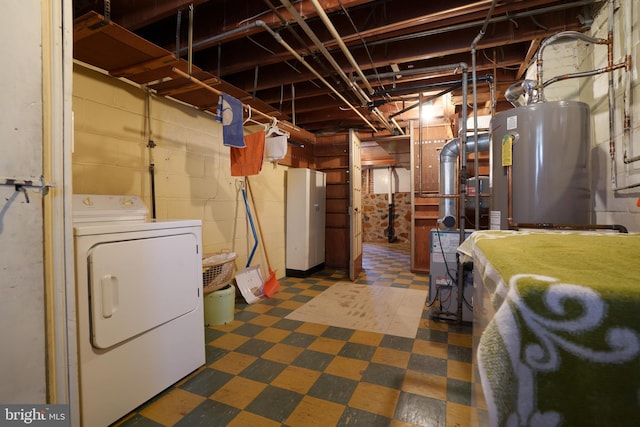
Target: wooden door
{"x": 355, "y": 206}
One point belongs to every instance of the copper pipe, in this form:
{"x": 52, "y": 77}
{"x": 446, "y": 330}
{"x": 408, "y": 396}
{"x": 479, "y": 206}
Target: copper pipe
{"x": 539, "y": 96}
{"x": 509, "y": 196}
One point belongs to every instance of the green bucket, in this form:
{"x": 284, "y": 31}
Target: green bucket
{"x": 219, "y": 306}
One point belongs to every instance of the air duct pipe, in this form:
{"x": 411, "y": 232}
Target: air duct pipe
{"x": 448, "y": 166}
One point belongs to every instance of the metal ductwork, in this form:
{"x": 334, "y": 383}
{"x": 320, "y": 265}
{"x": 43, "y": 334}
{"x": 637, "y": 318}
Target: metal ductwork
{"x": 448, "y": 176}
{"x": 519, "y": 94}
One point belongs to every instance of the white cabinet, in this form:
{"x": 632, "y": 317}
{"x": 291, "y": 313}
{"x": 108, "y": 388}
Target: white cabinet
{"x": 306, "y": 206}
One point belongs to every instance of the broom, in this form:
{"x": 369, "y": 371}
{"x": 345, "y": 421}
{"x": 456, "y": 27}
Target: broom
{"x": 271, "y": 284}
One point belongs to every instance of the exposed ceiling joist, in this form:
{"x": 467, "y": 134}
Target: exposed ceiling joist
{"x": 239, "y": 46}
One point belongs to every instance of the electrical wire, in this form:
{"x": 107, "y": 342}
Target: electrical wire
{"x": 445, "y": 303}
{"x": 293, "y": 67}
{"x": 435, "y": 297}
{"x": 503, "y": 67}
{"x": 364, "y": 43}
{"x": 446, "y": 266}
{"x": 298, "y": 38}
{"x": 447, "y": 299}
{"x": 467, "y": 303}
{"x": 538, "y": 24}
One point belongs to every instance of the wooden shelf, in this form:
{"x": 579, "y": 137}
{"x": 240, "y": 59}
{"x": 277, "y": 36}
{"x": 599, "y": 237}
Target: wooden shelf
{"x": 425, "y": 215}
{"x": 426, "y": 201}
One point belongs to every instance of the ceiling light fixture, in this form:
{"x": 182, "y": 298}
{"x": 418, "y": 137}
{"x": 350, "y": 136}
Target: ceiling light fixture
{"x": 428, "y": 111}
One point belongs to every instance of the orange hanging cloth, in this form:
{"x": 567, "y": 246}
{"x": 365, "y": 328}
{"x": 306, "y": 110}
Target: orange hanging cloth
{"x": 248, "y": 161}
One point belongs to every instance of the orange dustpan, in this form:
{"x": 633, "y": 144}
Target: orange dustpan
{"x": 271, "y": 284}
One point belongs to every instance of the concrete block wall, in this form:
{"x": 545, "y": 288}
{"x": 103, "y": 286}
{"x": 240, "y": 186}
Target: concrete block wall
{"x": 610, "y": 207}
{"x": 621, "y": 206}
{"x": 557, "y": 59}
{"x": 192, "y": 167}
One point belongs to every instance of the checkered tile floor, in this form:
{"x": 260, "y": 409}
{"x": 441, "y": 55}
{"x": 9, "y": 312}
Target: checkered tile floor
{"x": 265, "y": 370}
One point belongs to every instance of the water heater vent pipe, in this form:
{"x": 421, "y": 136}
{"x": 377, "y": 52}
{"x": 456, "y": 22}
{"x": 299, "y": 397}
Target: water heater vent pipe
{"x": 448, "y": 165}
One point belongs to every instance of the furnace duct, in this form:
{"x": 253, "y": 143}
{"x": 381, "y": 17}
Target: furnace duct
{"x": 448, "y": 174}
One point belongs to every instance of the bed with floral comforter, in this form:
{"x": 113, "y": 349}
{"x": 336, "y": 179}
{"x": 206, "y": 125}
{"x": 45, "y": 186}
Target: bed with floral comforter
{"x": 561, "y": 346}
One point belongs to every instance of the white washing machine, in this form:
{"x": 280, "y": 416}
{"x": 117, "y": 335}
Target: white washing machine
{"x": 140, "y": 320}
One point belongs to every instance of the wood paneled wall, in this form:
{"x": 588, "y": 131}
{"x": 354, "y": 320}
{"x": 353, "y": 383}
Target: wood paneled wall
{"x": 332, "y": 157}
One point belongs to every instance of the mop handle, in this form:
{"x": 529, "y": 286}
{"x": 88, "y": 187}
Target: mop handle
{"x": 253, "y": 203}
{"x": 253, "y": 229}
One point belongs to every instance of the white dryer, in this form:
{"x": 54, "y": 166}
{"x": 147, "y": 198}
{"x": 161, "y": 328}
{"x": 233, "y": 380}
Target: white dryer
{"x": 138, "y": 302}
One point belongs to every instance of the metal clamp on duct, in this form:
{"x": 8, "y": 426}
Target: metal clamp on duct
{"x": 520, "y": 93}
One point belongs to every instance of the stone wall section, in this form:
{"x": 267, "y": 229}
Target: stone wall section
{"x": 376, "y": 217}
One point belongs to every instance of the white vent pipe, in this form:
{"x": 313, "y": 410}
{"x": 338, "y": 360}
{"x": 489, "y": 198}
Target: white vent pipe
{"x": 360, "y": 94}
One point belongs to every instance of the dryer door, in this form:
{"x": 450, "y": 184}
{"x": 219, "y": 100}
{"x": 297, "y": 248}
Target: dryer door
{"x": 136, "y": 285}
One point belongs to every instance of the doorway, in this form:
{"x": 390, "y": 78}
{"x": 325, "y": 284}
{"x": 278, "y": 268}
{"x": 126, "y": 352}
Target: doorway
{"x": 387, "y": 226}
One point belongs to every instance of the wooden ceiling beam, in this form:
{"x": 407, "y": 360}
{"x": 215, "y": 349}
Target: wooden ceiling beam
{"x": 133, "y": 15}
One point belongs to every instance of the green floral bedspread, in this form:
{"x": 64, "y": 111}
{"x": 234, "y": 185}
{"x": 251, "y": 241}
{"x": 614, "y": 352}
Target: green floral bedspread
{"x": 563, "y": 348}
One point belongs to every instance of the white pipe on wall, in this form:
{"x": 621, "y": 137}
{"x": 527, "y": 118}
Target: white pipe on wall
{"x": 628, "y": 114}
{"x": 611, "y": 96}
{"x": 295, "y": 54}
{"x": 362, "y": 96}
{"x": 332, "y": 29}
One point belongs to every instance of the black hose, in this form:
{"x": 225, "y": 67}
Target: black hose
{"x": 152, "y": 173}
{"x": 391, "y": 232}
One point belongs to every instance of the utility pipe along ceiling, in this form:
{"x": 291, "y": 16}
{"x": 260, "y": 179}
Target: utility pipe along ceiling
{"x": 324, "y": 66}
